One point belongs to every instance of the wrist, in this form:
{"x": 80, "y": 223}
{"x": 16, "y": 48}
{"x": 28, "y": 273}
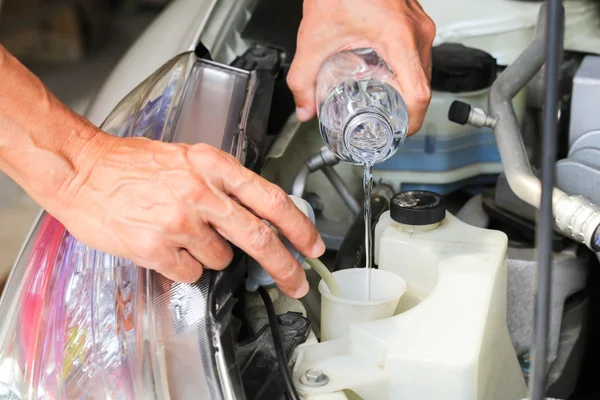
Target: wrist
{"x": 81, "y": 146}
{"x": 47, "y": 150}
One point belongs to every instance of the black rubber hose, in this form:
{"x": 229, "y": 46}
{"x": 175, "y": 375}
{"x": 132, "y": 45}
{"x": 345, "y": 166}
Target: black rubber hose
{"x": 554, "y": 38}
{"x": 281, "y": 360}
{"x": 351, "y": 253}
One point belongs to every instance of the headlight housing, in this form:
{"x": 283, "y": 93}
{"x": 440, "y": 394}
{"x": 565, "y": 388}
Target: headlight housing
{"x": 79, "y": 323}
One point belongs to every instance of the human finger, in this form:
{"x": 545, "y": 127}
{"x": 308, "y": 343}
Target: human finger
{"x": 260, "y": 242}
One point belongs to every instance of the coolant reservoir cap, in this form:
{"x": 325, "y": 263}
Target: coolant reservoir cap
{"x": 457, "y": 68}
{"x": 418, "y": 207}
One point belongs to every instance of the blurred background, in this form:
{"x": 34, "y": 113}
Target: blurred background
{"x": 71, "y": 45}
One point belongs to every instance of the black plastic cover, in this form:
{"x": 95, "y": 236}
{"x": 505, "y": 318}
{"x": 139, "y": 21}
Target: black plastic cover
{"x": 274, "y": 23}
{"x": 257, "y": 358}
{"x": 418, "y": 207}
{"x": 457, "y": 68}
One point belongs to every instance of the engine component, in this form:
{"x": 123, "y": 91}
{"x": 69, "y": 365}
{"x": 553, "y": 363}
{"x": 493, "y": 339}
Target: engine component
{"x": 275, "y": 24}
{"x": 258, "y": 58}
{"x": 472, "y": 213}
{"x": 575, "y": 216}
{"x": 589, "y": 156}
{"x": 569, "y": 275}
{"x": 323, "y": 161}
{"x": 589, "y": 140}
{"x": 455, "y": 332}
{"x": 444, "y": 157}
{"x": 577, "y": 176}
{"x": 579, "y": 173}
{"x": 256, "y": 352}
{"x": 521, "y": 231}
{"x": 287, "y": 331}
{"x": 586, "y": 92}
{"x": 506, "y": 199}
{"x": 340, "y": 187}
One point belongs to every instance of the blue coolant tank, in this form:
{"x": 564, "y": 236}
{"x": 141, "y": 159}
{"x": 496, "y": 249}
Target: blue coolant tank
{"x": 443, "y": 156}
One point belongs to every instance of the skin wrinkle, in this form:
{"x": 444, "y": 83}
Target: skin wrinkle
{"x": 276, "y": 200}
{"x": 259, "y": 229}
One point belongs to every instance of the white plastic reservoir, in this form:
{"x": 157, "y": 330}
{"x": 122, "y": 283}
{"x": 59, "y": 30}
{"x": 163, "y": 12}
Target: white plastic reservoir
{"x": 448, "y": 339}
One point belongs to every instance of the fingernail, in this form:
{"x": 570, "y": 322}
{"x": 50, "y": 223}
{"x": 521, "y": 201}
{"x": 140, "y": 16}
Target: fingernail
{"x": 302, "y": 291}
{"x": 302, "y": 114}
{"x": 319, "y": 248}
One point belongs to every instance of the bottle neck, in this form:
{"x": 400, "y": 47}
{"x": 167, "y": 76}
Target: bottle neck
{"x": 368, "y": 135}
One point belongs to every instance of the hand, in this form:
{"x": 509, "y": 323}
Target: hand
{"x": 171, "y": 207}
{"x": 398, "y": 30}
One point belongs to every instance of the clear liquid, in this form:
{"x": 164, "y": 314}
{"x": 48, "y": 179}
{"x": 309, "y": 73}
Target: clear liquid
{"x": 377, "y": 138}
{"x": 368, "y": 186}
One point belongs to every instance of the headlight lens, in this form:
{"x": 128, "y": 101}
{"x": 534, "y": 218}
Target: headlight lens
{"x": 77, "y": 323}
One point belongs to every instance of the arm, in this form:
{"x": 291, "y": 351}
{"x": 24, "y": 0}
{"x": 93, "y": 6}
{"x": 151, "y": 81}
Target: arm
{"x": 38, "y": 134}
{"x": 164, "y": 206}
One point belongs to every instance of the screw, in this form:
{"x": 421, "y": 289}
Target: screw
{"x": 259, "y": 52}
{"x": 286, "y": 320}
{"x": 315, "y": 378}
{"x": 291, "y": 320}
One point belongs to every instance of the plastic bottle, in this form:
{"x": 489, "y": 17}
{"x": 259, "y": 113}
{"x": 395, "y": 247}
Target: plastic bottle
{"x": 363, "y": 118}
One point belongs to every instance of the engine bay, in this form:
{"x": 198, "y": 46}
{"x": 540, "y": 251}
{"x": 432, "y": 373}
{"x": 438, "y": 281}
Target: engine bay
{"x": 463, "y": 164}
{"x": 463, "y": 327}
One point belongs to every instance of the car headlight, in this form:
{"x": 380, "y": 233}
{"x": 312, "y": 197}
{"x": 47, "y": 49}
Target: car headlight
{"x": 78, "y": 323}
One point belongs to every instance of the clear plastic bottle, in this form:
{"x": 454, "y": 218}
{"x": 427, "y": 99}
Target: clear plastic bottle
{"x": 363, "y": 119}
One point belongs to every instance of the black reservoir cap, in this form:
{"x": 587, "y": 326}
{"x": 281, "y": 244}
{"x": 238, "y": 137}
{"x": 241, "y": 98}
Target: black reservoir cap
{"x": 457, "y": 68}
{"x": 418, "y": 207}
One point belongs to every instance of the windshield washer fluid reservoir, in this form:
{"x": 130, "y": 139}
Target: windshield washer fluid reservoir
{"x": 448, "y": 339}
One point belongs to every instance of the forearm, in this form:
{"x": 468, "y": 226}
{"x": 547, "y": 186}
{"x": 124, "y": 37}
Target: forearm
{"x": 42, "y": 142}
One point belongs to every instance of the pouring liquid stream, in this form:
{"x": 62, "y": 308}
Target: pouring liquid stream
{"x": 368, "y": 186}
{"x": 362, "y": 119}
